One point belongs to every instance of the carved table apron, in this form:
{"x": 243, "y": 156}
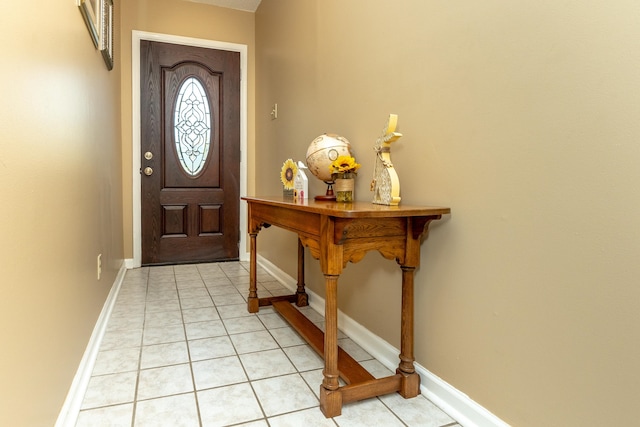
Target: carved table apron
{"x": 335, "y": 234}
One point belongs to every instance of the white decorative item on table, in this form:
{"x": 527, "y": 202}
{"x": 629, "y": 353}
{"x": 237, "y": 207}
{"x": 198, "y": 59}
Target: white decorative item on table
{"x": 301, "y": 184}
{"x": 385, "y": 184}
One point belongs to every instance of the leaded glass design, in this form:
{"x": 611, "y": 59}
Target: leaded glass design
{"x": 192, "y": 125}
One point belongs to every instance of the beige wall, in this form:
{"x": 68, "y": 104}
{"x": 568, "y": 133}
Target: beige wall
{"x": 60, "y": 185}
{"x": 523, "y": 118}
{"x": 186, "y": 19}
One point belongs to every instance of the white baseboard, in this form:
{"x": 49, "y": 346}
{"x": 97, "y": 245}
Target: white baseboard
{"x": 131, "y": 263}
{"x": 451, "y": 400}
{"x": 455, "y": 403}
{"x": 71, "y": 407}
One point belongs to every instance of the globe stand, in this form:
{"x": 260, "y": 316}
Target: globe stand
{"x": 329, "y": 196}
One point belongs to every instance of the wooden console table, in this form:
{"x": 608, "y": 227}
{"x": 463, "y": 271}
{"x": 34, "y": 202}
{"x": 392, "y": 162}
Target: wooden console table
{"x": 338, "y": 233}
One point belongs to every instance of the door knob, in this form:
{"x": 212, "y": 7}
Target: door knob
{"x": 148, "y": 155}
{"x": 148, "y": 171}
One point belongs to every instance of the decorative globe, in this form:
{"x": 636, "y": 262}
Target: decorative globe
{"x": 323, "y": 151}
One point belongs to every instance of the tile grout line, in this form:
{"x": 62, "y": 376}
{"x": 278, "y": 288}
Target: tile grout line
{"x": 244, "y": 369}
{"x": 144, "y": 319}
{"x": 186, "y": 342}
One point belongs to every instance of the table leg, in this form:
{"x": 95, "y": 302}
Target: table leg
{"x": 302, "y": 297}
{"x": 410, "y": 386}
{"x": 253, "y": 303}
{"x": 330, "y": 395}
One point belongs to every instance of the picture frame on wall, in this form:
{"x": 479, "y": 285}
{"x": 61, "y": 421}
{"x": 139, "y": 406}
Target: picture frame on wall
{"x": 106, "y": 32}
{"x": 90, "y": 11}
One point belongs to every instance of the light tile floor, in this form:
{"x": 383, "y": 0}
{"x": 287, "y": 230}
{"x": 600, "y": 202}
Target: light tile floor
{"x": 181, "y": 350}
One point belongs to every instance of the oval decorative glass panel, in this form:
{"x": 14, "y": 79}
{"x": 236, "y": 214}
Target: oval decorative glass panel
{"x": 192, "y": 126}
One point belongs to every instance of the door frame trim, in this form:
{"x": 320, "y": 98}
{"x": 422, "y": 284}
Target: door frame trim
{"x": 136, "y": 37}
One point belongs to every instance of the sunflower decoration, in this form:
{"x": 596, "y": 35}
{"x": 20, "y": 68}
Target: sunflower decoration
{"x": 344, "y": 164}
{"x": 288, "y": 174}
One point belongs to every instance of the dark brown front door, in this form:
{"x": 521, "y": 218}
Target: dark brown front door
{"x": 190, "y": 153}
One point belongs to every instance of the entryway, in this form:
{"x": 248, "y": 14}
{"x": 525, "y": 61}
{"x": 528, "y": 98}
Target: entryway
{"x": 190, "y": 230}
